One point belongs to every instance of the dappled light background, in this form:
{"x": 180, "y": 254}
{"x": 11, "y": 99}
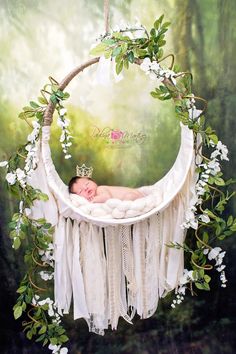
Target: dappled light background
{"x": 39, "y": 39}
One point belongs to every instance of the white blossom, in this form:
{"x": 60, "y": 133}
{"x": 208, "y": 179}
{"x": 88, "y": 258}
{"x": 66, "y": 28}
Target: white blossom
{"x": 64, "y": 350}
{"x": 214, "y": 252}
{"x": 20, "y": 174}
{"x": 221, "y": 151}
{"x": 55, "y": 348}
{"x": 194, "y": 113}
{"x": 35, "y": 299}
{"x": 46, "y": 276}
{"x": 45, "y": 301}
{"x": 146, "y": 65}
{"x": 4, "y": 164}
{"x": 27, "y": 211}
{"x": 190, "y": 219}
{"x": 36, "y": 125}
{"x": 219, "y": 269}
{"x": 186, "y": 277}
{"x": 204, "y": 218}
{"x": 21, "y": 206}
{"x": 62, "y": 111}
{"x": 21, "y": 177}
{"x": 62, "y": 137}
{"x": 214, "y": 167}
{"x": 11, "y": 178}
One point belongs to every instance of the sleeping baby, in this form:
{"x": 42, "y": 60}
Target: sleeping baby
{"x": 87, "y": 188}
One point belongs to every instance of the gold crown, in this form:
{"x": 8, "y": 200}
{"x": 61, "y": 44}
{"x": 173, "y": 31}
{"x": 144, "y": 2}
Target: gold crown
{"x": 84, "y": 171}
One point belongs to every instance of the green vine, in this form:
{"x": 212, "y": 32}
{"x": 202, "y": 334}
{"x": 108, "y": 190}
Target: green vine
{"x": 206, "y": 216}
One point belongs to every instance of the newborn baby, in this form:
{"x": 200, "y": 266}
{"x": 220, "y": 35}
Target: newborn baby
{"x": 87, "y": 188}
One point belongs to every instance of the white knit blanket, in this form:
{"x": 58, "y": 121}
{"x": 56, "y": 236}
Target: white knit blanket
{"x": 116, "y": 208}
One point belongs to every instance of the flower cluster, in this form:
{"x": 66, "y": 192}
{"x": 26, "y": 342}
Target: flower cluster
{"x": 218, "y": 255}
{"x": 57, "y": 349}
{"x": 65, "y": 138}
{"x": 220, "y": 151}
{"x": 46, "y": 275}
{"x": 18, "y": 175}
{"x": 31, "y": 159}
{"x": 190, "y": 218}
{"x": 181, "y": 289}
{"x": 51, "y": 307}
{"x": 193, "y": 112}
{"x": 52, "y": 312}
{"x": 209, "y": 168}
{"x": 47, "y": 255}
{"x": 32, "y": 149}
{"x": 155, "y": 71}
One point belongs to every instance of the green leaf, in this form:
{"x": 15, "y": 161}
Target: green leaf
{"x": 205, "y": 237}
{"x": 17, "y": 312}
{"x": 16, "y": 243}
{"x": 28, "y": 109}
{"x": 42, "y": 100}
{"x": 29, "y": 335}
{"x": 161, "y": 43}
{"x": 109, "y": 41}
{"x": 214, "y": 138}
{"x": 107, "y": 53}
{"x": 53, "y": 341}
{"x": 54, "y": 99}
{"x": 116, "y": 51}
{"x": 230, "y": 220}
{"x": 34, "y": 104}
{"x": 124, "y": 47}
{"x": 66, "y": 95}
{"x": 119, "y": 67}
{"x": 202, "y": 286}
{"x": 40, "y": 338}
{"x": 207, "y": 278}
{"x": 141, "y": 52}
{"x": 233, "y": 227}
{"x": 22, "y": 115}
{"x": 43, "y": 196}
{"x": 210, "y": 214}
{"x": 21, "y": 289}
{"x": 154, "y": 94}
{"x": 99, "y": 49}
{"x": 45, "y": 342}
{"x": 153, "y": 32}
{"x": 126, "y": 64}
{"x": 43, "y": 329}
{"x": 160, "y": 53}
{"x": 158, "y": 22}
{"x": 131, "y": 57}
{"x": 219, "y": 181}
{"x": 201, "y": 273}
{"x": 63, "y": 338}
{"x": 47, "y": 226}
{"x": 165, "y": 24}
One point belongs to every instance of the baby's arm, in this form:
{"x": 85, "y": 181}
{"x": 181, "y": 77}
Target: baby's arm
{"x": 103, "y": 194}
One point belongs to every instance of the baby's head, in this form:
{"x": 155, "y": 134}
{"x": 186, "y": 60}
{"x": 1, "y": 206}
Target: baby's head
{"x": 83, "y": 186}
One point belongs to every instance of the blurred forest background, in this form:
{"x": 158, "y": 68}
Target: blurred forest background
{"x": 42, "y": 38}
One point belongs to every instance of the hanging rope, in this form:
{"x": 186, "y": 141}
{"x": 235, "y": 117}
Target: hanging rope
{"x": 106, "y": 15}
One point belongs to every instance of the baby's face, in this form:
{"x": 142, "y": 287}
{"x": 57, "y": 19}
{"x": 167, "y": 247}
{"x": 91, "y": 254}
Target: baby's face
{"x": 84, "y": 187}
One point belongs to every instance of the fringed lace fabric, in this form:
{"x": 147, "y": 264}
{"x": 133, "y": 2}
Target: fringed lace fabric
{"x": 117, "y": 271}
{"x": 107, "y": 268}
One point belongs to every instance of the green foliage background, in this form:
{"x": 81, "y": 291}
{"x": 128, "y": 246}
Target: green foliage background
{"x": 42, "y": 38}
